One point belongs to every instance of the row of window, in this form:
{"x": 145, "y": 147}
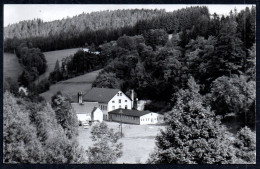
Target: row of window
{"x": 136, "y": 118}
{"x": 113, "y": 107}
{"x": 119, "y": 94}
{"x": 103, "y": 107}
{"x": 119, "y": 101}
{"x": 147, "y": 119}
{"x": 126, "y": 117}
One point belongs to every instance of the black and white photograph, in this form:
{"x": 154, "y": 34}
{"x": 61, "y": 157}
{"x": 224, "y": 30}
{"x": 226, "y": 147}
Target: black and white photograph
{"x": 129, "y": 84}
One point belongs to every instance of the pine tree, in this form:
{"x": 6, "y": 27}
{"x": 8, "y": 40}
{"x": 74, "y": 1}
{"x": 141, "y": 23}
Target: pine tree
{"x": 194, "y": 135}
{"x": 65, "y": 115}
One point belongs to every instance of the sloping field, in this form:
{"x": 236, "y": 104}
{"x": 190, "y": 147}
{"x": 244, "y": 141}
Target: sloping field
{"x": 72, "y": 86}
{"x": 11, "y": 66}
{"x": 52, "y": 57}
{"x": 138, "y": 141}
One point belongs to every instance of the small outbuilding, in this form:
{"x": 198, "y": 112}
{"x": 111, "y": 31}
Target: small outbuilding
{"x": 87, "y": 111}
{"x": 135, "y": 117}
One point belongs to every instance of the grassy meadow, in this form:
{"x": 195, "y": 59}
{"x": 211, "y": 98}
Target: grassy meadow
{"x": 52, "y": 57}
{"x": 138, "y": 141}
{"x": 11, "y": 66}
{"x": 72, "y": 86}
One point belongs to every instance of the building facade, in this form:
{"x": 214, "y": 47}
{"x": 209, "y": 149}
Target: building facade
{"x": 135, "y": 117}
{"x": 107, "y": 99}
{"x": 87, "y": 111}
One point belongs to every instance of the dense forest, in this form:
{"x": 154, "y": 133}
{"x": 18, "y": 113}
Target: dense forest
{"x": 94, "y": 27}
{"x": 157, "y": 67}
{"x": 203, "y": 74}
{"x": 202, "y": 78}
{"x": 195, "y": 18}
{"x": 108, "y": 20}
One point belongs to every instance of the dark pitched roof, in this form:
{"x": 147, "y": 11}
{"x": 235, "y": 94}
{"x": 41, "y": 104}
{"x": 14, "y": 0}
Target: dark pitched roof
{"x": 101, "y": 95}
{"x": 129, "y": 112}
{"x": 85, "y": 108}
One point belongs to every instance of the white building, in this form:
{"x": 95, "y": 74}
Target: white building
{"x": 135, "y": 117}
{"x": 23, "y": 90}
{"x": 87, "y": 111}
{"x": 140, "y": 104}
{"x": 107, "y": 99}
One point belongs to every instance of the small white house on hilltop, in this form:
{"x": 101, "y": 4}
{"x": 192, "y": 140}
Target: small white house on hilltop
{"x": 23, "y": 90}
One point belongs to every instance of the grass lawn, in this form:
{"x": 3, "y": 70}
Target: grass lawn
{"x": 52, "y": 57}
{"x": 11, "y": 66}
{"x": 138, "y": 141}
{"x": 72, "y": 86}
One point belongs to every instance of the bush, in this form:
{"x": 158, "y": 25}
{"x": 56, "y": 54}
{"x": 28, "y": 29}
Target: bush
{"x": 245, "y": 144}
{"x": 106, "y": 149}
{"x": 65, "y": 116}
{"x": 235, "y": 95}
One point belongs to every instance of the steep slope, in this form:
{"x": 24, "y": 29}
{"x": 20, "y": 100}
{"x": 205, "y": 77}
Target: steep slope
{"x": 72, "y": 86}
{"x": 52, "y": 57}
{"x": 11, "y": 66}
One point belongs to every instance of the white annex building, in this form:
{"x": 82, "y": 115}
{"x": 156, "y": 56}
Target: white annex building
{"x": 106, "y": 100}
{"x": 87, "y": 111}
{"x": 136, "y": 117}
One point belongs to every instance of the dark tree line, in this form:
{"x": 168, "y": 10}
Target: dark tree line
{"x": 75, "y": 32}
{"x": 80, "y": 63}
{"x": 95, "y": 27}
{"x": 33, "y": 61}
{"x": 108, "y": 20}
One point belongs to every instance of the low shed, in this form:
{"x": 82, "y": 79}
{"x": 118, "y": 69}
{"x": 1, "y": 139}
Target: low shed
{"x": 135, "y": 117}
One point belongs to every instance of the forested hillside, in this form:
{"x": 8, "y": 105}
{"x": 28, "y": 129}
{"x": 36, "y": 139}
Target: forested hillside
{"x": 108, "y": 20}
{"x": 54, "y": 34}
{"x": 219, "y": 53}
{"x": 101, "y": 27}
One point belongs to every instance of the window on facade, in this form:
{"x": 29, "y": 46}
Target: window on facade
{"x": 117, "y": 94}
{"x": 119, "y": 106}
{"x": 119, "y": 101}
{"x": 113, "y": 107}
{"x": 125, "y": 106}
{"x": 125, "y": 100}
{"x": 120, "y": 94}
{"x": 113, "y": 101}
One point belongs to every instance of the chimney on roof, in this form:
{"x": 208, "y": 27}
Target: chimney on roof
{"x": 132, "y": 98}
{"x": 80, "y": 98}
